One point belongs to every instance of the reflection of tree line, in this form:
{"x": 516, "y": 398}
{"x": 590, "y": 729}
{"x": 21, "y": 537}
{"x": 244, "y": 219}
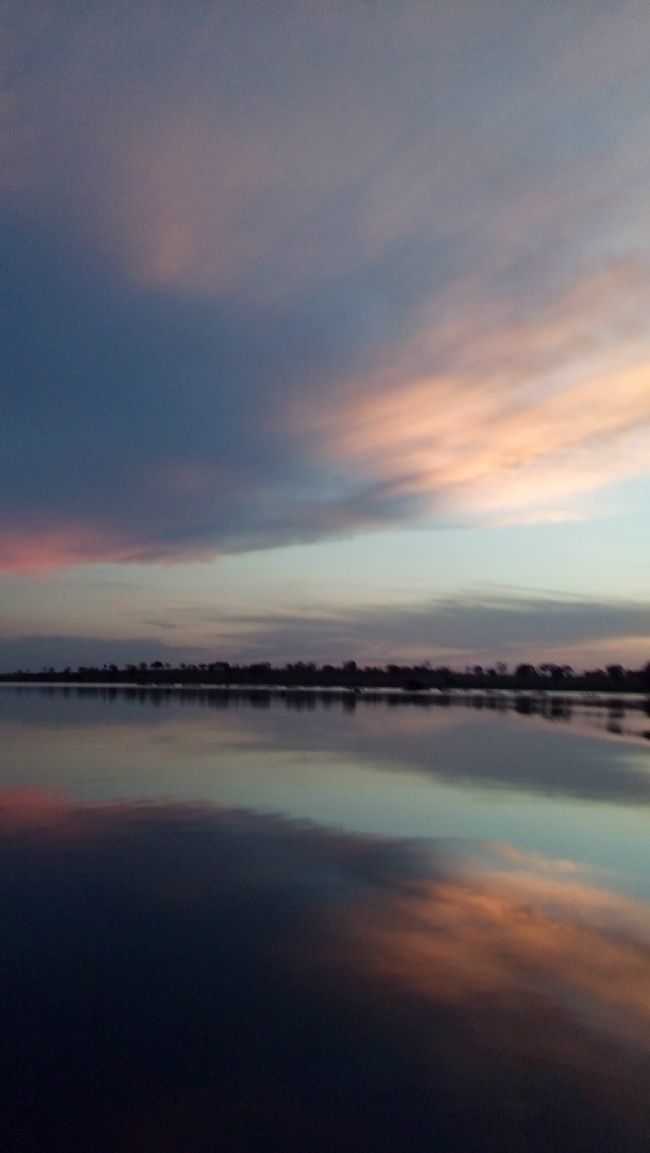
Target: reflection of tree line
{"x": 614, "y": 678}
{"x": 553, "y": 706}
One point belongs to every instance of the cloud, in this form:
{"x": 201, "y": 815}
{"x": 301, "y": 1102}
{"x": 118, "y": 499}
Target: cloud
{"x": 278, "y": 276}
{"x": 506, "y": 417}
{"x": 149, "y": 427}
{"x": 60, "y": 651}
{"x": 515, "y": 625}
{"x": 509, "y": 625}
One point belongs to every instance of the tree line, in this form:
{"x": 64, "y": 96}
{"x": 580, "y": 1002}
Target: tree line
{"x": 350, "y": 674}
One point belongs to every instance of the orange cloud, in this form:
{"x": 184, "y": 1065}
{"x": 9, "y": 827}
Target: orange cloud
{"x": 508, "y": 419}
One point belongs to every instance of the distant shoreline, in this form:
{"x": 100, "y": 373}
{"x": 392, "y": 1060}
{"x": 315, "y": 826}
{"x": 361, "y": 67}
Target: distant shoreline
{"x": 349, "y": 676}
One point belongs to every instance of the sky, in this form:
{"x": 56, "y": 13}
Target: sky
{"x": 324, "y": 331}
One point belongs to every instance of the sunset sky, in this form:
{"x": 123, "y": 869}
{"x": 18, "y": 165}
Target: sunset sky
{"x": 325, "y": 331}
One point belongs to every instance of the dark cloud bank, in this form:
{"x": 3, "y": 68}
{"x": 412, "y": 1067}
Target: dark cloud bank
{"x": 146, "y": 425}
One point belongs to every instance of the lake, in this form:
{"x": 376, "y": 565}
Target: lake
{"x": 236, "y": 920}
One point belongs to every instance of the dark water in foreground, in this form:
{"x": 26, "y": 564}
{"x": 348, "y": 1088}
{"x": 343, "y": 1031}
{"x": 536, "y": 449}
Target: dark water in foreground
{"x": 235, "y": 926}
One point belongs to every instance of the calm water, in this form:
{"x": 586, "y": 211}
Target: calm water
{"x": 231, "y": 924}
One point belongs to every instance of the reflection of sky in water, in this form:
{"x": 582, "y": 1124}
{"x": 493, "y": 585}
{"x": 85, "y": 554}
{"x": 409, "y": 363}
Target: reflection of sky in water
{"x": 565, "y": 788}
{"x": 179, "y": 977}
{"x": 439, "y": 940}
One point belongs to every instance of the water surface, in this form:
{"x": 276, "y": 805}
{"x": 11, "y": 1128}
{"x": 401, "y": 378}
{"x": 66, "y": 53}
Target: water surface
{"x": 236, "y": 922}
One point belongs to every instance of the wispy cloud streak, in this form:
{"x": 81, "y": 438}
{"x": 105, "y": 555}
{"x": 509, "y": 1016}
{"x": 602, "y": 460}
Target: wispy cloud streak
{"x": 508, "y": 625}
{"x": 509, "y": 416}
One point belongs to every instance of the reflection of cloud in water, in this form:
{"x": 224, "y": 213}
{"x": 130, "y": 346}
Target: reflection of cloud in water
{"x": 534, "y": 931}
{"x": 464, "y": 747}
{"x": 183, "y": 978}
{"x": 457, "y": 745}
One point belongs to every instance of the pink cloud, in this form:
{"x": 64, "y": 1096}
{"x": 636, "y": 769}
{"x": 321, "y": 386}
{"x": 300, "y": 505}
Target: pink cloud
{"x": 44, "y": 549}
{"x": 36, "y": 550}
